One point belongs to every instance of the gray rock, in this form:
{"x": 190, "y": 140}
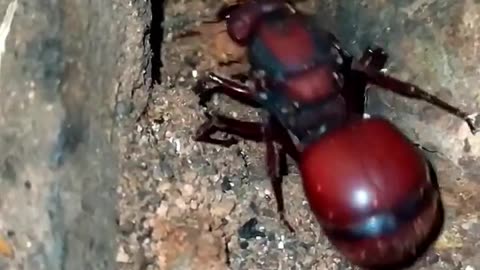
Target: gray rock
{"x": 59, "y": 80}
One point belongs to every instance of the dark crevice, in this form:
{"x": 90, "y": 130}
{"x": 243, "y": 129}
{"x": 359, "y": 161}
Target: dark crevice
{"x": 156, "y": 38}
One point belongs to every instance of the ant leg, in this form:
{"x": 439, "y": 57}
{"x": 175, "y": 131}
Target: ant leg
{"x": 355, "y": 83}
{"x": 378, "y": 78}
{"x": 253, "y": 131}
{"x": 231, "y": 88}
{"x": 242, "y": 77}
{"x": 276, "y": 158}
{"x": 374, "y": 58}
{"x": 421, "y": 147}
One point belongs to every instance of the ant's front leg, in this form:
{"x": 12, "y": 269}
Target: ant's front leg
{"x": 253, "y": 131}
{"x": 231, "y": 88}
{"x": 355, "y": 85}
{"x": 377, "y": 77}
{"x": 374, "y": 58}
{"x": 276, "y": 158}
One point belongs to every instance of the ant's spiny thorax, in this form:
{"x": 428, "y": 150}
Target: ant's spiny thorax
{"x": 305, "y": 122}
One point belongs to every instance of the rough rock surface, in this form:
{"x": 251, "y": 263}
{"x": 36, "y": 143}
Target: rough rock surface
{"x": 63, "y": 66}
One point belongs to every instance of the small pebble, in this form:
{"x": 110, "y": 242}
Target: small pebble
{"x": 180, "y": 203}
{"x": 164, "y": 187}
{"x": 189, "y": 176}
{"x": 187, "y": 190}
{"x": 193, "y": 205}
{"x": 249, "y": 230}
{"x": 122, "y": 256}
{"x": 223, "y": 208}
{"x": 174, "y": 212}
{"x": 28, "y": 185}
{"x": 127, "y": 227}
{"x": 162, "y": 210}
{"x": 124, "y": 108}
{"x": 243, "y": 244}
{"x": 162, "y": 171}
{"x": 226, "y": 184}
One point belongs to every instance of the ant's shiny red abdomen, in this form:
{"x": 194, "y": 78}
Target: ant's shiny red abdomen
{"x": 371, "y": 190}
